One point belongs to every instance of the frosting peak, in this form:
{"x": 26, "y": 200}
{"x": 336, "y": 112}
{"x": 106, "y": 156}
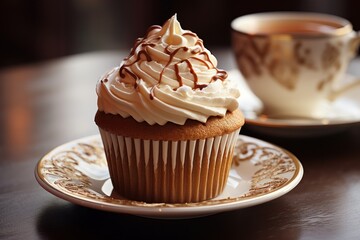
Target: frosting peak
{"x": 172, "y": 32}
{"x": 170, "y": 55}
{"x": 168, "y": 76}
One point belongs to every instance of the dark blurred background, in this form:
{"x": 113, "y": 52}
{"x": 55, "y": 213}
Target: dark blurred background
{"x": 37, "y": 30}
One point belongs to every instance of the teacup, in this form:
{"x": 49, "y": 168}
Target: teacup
{"x": 293, "y": 61}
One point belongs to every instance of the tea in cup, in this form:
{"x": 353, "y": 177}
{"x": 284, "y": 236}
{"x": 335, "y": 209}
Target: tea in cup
{"x": 293, "y": 61}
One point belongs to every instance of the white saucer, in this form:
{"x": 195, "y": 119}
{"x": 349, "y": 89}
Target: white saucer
{"x": 338, "y": 116}
{"x": 77, "y": 172}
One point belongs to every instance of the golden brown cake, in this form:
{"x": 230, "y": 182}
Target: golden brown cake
{"x": 191, "y": 130}
{"x": 169, "y": 119}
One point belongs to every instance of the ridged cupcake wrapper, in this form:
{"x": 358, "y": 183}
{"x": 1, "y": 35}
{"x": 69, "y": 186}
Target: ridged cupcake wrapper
{"x": 169, "y": 171}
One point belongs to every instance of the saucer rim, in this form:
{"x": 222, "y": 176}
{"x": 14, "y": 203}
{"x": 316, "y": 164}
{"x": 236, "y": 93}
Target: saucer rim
{"x": 274, "y": 123}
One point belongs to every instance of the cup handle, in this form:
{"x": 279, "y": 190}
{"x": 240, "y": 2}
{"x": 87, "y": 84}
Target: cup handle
{"x": 353, "y": 48}
{"x": 354, "y": 45}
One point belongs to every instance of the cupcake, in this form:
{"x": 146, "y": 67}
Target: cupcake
{"x": 168, "y": 119}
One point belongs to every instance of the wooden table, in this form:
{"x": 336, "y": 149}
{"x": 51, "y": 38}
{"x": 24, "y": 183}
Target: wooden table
{"x": 47, "y": 104}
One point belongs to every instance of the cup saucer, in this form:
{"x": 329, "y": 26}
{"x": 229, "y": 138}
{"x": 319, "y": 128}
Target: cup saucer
{"x": 338, "y": 116}
{"x": 77, "y": 172}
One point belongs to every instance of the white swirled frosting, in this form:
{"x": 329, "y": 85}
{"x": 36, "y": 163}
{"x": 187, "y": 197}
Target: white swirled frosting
{"x": 168, "y": 77}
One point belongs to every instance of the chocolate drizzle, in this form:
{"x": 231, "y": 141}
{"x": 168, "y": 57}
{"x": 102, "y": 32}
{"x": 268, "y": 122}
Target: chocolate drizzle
{"x": 178, "y": 76}
{"x": 124, "y": 69}
{"x": 151, "y": 28}
{"x": 198, "y": 54}
{"x": 220, "y": 74}
{"x": 172, "y": 55}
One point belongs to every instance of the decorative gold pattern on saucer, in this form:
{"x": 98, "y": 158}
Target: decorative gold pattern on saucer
{"x": 65, "y": 172}
{"x": 61, "y": 169}
{"x": 273, "y": 164}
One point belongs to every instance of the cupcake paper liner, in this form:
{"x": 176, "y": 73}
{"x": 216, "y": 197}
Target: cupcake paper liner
{"x": 169, "y": 171}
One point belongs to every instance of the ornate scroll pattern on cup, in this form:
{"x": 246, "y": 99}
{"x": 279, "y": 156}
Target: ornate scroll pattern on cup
{"x": 283, "y": 60}
{"x": 330, "y": 62}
